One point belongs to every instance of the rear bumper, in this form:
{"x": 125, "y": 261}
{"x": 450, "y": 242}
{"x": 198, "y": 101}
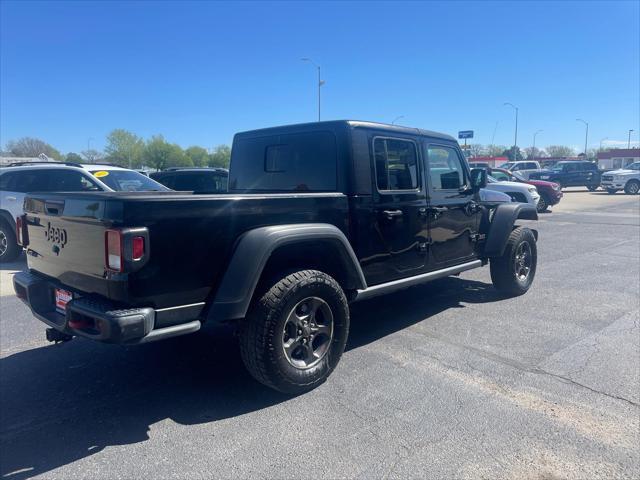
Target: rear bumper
{"x": 97, "y": 319}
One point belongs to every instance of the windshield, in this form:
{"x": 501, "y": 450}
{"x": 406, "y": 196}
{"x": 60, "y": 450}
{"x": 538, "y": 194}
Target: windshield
{"x": 507, "y": 165}
{"x": 127, "y": 181}
{"x": 634, "y": 166}
{"x": 518, "y": 176}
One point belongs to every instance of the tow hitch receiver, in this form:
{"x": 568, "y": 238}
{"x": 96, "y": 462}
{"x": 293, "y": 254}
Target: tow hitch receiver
{"x": 55, "y": 336}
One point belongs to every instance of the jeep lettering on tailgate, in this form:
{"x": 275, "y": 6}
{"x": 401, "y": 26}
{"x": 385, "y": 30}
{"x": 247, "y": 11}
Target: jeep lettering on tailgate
{"x": 55, "y": 235}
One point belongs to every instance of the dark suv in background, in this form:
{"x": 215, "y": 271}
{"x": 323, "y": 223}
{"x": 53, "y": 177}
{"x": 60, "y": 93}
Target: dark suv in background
{"x": 571, "y": 173}
{"x": 196, "y": 180}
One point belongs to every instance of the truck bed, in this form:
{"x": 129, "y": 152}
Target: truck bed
{"x": 190, "y": 238}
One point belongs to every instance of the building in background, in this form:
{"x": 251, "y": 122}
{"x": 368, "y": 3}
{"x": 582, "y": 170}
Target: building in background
{"x": 618, "y": 158}
{"x": 487, "y": 161}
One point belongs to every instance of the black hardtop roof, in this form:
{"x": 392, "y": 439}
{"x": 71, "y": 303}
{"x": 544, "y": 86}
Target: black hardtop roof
{"x": 333, "y": 124}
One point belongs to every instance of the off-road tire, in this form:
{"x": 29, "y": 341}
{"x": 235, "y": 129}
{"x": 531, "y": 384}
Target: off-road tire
{"x": 612, "y": 191}
{"x": 261, "y": 332}
{"x": 9, "y": 248}
{"x": 632, "y": 187}
{"x": 503, "y": 269}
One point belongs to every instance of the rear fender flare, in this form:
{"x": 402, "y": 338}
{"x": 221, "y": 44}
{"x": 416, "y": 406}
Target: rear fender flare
{"x": 252, "y": 252}
{"x": 503, "y": 222}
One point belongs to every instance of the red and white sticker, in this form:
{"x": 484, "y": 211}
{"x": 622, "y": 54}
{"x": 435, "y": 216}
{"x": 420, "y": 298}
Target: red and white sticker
{"x": 62, "y": 298}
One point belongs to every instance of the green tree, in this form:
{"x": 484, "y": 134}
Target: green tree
{"x": 124, "y": 148}
{"x": 198, "y": 156}
{"x": 513, "y": 153}
{"x": 160, "y": 154}
{"x": 73, "y": 157}
{"x": 32, "y": 147}
{"x": 221, "y": 156}
{"x": 560, "y": 151}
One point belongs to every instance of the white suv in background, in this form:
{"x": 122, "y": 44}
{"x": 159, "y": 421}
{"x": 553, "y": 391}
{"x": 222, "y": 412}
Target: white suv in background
{"x": 627, "y": 179}
{"x": 519, "y": 192}
{"x": 524, "y": 167}
{"x": 18, "y": 179}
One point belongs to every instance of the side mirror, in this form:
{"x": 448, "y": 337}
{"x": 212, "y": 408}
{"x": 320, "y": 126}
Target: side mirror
{"x": 478, "y": 179}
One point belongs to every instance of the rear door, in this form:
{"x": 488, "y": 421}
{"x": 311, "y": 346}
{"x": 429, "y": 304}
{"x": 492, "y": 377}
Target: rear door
{"x": 453, "y": 216}
{"x": 399, "y": 208}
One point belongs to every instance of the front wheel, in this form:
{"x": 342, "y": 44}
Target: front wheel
{"x": 592, "y": 188}
{"x": 513, "y": 272}
{"x": 294, "y": 335}
{"x": 632, "y": 187}
{"x": 543, "y": 205}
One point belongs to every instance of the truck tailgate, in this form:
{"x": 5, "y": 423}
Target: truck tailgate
{"x": 66, "y": 240}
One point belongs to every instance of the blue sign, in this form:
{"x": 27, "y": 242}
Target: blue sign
{"x": 465, "y": 134}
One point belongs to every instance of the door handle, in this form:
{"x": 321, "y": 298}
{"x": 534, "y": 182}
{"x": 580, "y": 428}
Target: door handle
{"x": 391, "y": 214}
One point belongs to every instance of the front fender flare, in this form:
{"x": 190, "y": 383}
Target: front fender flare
{"x": 251, "y": 254}
{"x": 504, "y": 218}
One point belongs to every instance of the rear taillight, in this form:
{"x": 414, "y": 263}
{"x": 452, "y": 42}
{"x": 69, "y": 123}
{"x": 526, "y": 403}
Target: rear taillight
{"x": 21, "y": 231}
{"x": 137, "y": 248}
{"x": 113, "y": 250}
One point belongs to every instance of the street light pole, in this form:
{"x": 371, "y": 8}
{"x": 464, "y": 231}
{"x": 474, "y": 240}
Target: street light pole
{"x": 605, "y": 138}
{"x": 586, "y": 135}
{"x": 534, "y": 142}
{"x": 396, "y": 119}
{"x": 320, "y": 81}
{"x": 89, "y": 149}
{"x": 629, "y": 140}
{"x": 515, "y": 141}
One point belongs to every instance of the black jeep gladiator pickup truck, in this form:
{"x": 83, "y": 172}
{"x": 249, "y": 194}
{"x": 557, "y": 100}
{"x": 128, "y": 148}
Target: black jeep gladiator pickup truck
{"x": 317, "y": 216}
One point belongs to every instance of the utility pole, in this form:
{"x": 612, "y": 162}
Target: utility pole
{"x": 320, "y": 81}
{"x": 534, "y": 142}
{"x": 586, "y": 135}
{"x": 515, "y": 141}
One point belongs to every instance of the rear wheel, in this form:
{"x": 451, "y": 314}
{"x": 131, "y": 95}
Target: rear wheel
{"x": 632, "y": 187}
{"x": 513, "y": 272}
{"x": 294, "y": 335}
{"x": 9, "y": 248}
{"x": 611, "y": 191}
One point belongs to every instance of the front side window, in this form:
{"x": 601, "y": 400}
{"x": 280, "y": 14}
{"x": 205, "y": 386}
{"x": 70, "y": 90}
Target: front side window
{"x": 70, "y": 181}
{"x": 396, "y": 164}
{"x": 501, "y": 176}
{"x": 127, "y": 181}
{"x": 446, "y": 169}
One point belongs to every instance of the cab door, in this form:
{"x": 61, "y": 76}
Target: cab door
{"x": 398, "y": 233}
{"x": 453, "y": 215}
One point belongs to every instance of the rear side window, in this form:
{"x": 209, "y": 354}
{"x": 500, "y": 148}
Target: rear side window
{"x": 30, "y": 181}
{"x": 200, "y": 182}
{"x": 396, "y": 163}
{"x": 299, "y": 162}
{"x": 6, "y": 181}
{"x": 446, "y": 169}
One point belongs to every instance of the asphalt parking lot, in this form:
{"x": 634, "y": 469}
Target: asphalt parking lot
{"x": 445, "y": 380}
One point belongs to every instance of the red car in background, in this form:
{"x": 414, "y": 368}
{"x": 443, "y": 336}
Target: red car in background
{"x": 550, "y": 193}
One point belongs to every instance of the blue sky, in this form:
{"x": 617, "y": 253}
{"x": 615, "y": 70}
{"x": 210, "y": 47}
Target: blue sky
{"x": 198, "y": 72}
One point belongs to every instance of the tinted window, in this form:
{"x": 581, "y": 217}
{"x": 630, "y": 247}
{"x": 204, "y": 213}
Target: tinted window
{"x": 280, "y": 163}
{"x": 6, "y": 181}
{"x": 70, "y": 181}
{"x": 200, "y": 182}
{"x": 446, "y": 170}
{"x": 530, "y": 166}
{"x": 31, "y": 181}
{"x": 396, "y": 164}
